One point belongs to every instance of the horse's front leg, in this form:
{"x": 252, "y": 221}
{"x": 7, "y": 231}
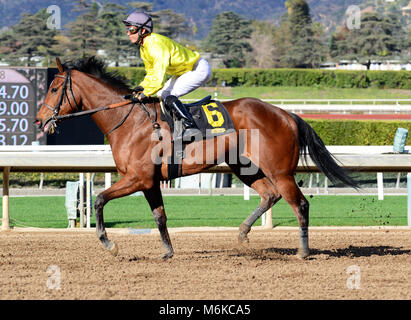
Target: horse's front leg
{"x": 155, "y": 200}
{"x": 125, "y": 186}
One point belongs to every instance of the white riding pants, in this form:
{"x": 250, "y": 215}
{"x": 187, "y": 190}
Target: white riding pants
{"x": 187, "y": 82}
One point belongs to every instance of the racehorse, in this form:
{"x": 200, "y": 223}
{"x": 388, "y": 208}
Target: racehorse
{"x": 134, "y": 134}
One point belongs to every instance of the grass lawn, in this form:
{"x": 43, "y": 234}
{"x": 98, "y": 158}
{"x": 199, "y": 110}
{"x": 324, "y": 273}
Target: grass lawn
{"x": 134, "y": 212}
{"x": 299, "y": 93}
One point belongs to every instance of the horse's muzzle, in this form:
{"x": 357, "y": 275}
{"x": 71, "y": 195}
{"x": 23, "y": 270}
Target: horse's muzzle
{"x": 47, "y": 126}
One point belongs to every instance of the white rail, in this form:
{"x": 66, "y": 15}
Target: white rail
{"x": 339, "y": 105}
{"x": 98, "y": 158}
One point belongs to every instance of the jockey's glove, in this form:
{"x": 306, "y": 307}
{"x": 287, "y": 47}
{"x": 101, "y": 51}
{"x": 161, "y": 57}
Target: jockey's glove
{"x": 138, "y": 89}
{"x": 139, "y": 97}
{"x": 134, "y": 96}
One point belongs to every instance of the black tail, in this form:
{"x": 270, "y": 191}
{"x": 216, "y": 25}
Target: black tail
{"x": 322, "y": 158}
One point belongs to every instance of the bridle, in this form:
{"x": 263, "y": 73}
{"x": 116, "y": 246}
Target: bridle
{"x": 67, "y": 82}
{"x": 56, "y": 108}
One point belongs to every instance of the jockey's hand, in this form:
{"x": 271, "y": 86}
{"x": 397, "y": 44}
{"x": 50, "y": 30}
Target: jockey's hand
{"x": 139, "y": 97}
{"x": 138, "y": 89}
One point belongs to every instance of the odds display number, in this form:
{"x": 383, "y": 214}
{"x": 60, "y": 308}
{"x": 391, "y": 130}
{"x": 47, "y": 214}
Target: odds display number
{"x": 17, "y": 108}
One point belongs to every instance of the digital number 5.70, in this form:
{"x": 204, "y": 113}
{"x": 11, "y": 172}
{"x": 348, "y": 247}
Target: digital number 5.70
{"x": 17, "y": 125}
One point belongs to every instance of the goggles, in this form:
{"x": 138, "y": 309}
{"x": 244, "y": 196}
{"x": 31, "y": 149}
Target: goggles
{"x": 132, "y": 29}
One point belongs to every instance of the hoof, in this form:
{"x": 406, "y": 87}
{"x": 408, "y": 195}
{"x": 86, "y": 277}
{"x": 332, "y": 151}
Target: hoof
{"x": 244, "y": 230}
{"x": 242, "y": 237}
{"x": 113, "y": 248}
{"x": 303, "y": 254}
{"x": 167, "y": 255}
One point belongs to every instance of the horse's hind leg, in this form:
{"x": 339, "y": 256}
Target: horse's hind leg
{"x": 292, "y": 194}
{"x": 155, "y": 200}
{"x": 269, "y": 196}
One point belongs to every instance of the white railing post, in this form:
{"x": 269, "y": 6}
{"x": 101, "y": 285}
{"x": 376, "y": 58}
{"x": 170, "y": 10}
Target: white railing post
{"x": 246, "y": 192}
{"x": 107, "y": 180}
{"x": 5, "y": 224}
{"x": 380, "y": 185}
{"x": 88, "y": 200}
{"x": 409, "y": 198}
{"x": 267, "y": 221}
{"x": 81, "y": 200}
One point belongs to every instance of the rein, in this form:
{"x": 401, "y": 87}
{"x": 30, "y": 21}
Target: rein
{"x": 87, "y": 112}
{"x": 67, "y": 80}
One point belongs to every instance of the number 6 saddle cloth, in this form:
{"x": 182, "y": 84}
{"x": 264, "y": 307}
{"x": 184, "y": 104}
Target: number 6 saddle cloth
{"x": 210, "y": 116}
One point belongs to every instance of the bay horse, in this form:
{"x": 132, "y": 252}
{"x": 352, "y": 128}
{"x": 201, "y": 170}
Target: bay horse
{"x": 85, "y": 85}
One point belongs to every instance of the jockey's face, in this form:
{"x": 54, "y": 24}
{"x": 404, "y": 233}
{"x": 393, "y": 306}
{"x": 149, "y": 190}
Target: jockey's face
{"x": 133, "y": 34}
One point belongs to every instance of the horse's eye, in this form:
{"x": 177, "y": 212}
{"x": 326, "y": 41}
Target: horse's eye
{"x": 53, "y": 90}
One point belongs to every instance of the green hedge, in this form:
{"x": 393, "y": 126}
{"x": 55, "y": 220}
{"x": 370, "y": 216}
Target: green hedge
{"x": 135, "y": 75}
{"x": 312, "y": 77}
{"x": 358, "y": 132}
{"x": 296, "y": 77}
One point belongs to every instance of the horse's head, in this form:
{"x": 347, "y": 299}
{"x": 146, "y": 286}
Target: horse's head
{"x": 60, "y": 100}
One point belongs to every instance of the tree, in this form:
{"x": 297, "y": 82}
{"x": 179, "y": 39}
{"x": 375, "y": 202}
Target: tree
{"x": 229, "y": 36}
{"x": 171, "y": 24}
{"x": 379, "y": 37}
{"x": 85, "y": 32}
{"x": 29, "y": 38}
{"x": 263, "y": 50}
{"x": 304, "y": 44}
{"x": 116, "y": 44}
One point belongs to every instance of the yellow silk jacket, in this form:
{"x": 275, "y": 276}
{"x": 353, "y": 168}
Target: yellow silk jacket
{"x": 162, "y": 56}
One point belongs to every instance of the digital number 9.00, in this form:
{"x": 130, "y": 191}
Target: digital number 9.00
{"x": 16, "y": 108}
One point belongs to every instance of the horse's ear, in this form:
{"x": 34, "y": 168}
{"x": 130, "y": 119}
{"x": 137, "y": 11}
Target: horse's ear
{"x": 59, "y": 65}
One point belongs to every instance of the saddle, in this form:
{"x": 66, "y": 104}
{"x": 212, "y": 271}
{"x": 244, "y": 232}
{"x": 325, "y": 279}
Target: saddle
{"x": 211, "y": 118}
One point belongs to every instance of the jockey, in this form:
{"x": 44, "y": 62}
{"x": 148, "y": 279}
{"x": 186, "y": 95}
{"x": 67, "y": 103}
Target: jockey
{"x": 162, "y": 56}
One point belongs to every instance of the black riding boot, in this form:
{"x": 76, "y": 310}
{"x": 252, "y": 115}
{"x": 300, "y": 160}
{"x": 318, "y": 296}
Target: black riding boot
{"x": 179, "y": 109}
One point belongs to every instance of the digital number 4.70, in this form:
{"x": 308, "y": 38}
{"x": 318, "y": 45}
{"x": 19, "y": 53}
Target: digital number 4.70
{"x": 21, "y": 92}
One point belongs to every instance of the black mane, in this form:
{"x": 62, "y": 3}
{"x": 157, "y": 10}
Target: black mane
{"x": 98, "y": 68}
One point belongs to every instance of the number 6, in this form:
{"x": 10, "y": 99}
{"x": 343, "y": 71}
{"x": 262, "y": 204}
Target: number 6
{"x": 211, "y": 113}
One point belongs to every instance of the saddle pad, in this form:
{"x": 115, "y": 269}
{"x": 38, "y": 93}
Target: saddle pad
{"x": 212, "y": 119}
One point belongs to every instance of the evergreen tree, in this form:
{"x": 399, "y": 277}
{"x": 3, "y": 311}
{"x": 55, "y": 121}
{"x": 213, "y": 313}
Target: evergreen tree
{"x": 380, "y": 37}
{"x": 85, "y": 32}
{"x": 116, "y": 44}
{"x": 229, "y": 36}
{"x": 29, "y": 38}
{"x": 171, "y": 24}
{"x": 304, "y": 48}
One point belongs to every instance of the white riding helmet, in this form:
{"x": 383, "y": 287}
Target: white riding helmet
{"x": 140, "y": 20}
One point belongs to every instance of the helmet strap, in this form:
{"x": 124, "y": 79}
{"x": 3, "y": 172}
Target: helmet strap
{"x": 141, "y": 36}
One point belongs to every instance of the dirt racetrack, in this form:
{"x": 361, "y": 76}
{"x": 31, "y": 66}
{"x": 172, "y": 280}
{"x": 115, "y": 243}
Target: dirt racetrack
{"x": 345, "y": 264}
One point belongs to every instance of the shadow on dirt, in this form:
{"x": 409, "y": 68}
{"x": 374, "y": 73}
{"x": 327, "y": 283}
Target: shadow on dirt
{"x": 368, "y": 251}
{"x": 351, "y": 251}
